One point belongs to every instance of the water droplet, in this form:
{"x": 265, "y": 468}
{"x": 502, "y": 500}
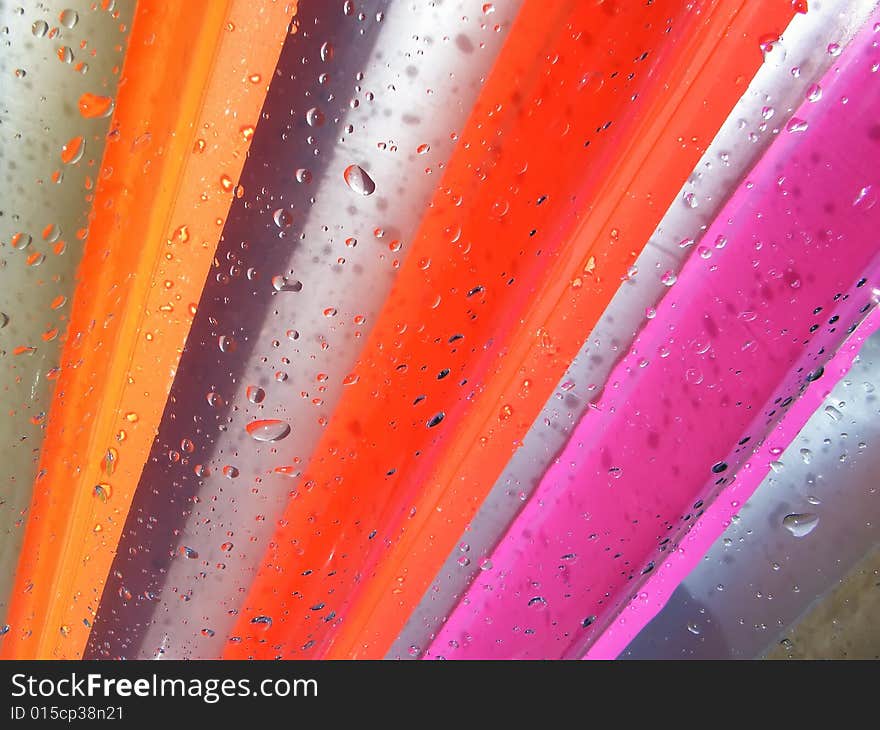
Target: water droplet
{"x": 4, "y": 320}
{"x": 694, "y": 376}
{"x": 262, "y": 620}
{"x": 68, "y": 18}
{"x": 303, "y": 176}
{"x": 282, "y": 283}
{"x": 800, "y": 525}
{"x": 230, "y": 472}
{"x": 773, "y": 51}
{"x": 315, "y": 117}
{"x": 255, "y": 394}
{"x": 268, "y": 430}
{"x": 282, "y": 218}
{"x": 72, "y": 152}
{"x": 795, "y": 125}
{"x": 20, "y": 241}
{"x": 866, "y": 198}
{"x": 326, "y": 51}
{"x": 40, "y": 28}
{"x": 188, "y": 552}
{"x": 358, "y": 180}
{"x": 694, "y": 629}
{"x": 93, "y": 106}
{"x": 226, "y": 343}
{"x": 669, "y": 278}
{"x": 436, "y": 420}
{"x": 834, "y": 414}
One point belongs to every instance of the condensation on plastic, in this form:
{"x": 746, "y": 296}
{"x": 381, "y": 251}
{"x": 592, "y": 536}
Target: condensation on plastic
{"x": 53, "y": 55}
{"x": 757, "y": 119}
{"x": 680, "y": 561}
{"x": 302, "y": 270}
{"x": 757, "y": 578}
{"x": 190, "y": 86}
{"x": 733, "y": 344}
{"x": 471, "y": 343}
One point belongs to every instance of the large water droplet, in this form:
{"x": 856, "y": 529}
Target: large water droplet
{"x": 268, "y": 430}
{"x": 20, "y": 241}
{"x": 314, "y": 117}
{"x": 93, "y": 106}
{"x": 796, "y": 124}
{"x": 68, "y": 18}
{"x": 832, "y": 413}
{"x": 72, "y": 152}
{"x": 358, "y": 180}
{"x": 282, "y": 218}
{"x": 773, "y": 51}
{"x": 255, "y": 394}
{"x": 800, "y": 525}
{"x": 282, "y": 283}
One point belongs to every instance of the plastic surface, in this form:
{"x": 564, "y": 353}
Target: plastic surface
{"x": 151, "y": 240}
{"x": 473, "y": 338}
{"x": 732, "y": 337}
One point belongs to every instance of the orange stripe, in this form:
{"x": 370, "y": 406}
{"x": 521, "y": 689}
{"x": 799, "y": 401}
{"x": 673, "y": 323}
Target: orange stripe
{"x": 524, "y": 302}
{"x": 157, "y": 217}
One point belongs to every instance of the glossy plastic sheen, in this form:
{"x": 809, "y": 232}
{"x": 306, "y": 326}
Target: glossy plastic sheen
{"x": 159, "y": 208}
{"x": 516, "y": 259}
{"x": 733, "y": 343}
{"x": 45, "y": 72}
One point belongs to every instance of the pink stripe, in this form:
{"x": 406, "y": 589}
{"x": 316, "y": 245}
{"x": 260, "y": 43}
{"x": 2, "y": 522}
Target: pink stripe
{"x": 730, "y": 346}
{"x": 717, "y": 517}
